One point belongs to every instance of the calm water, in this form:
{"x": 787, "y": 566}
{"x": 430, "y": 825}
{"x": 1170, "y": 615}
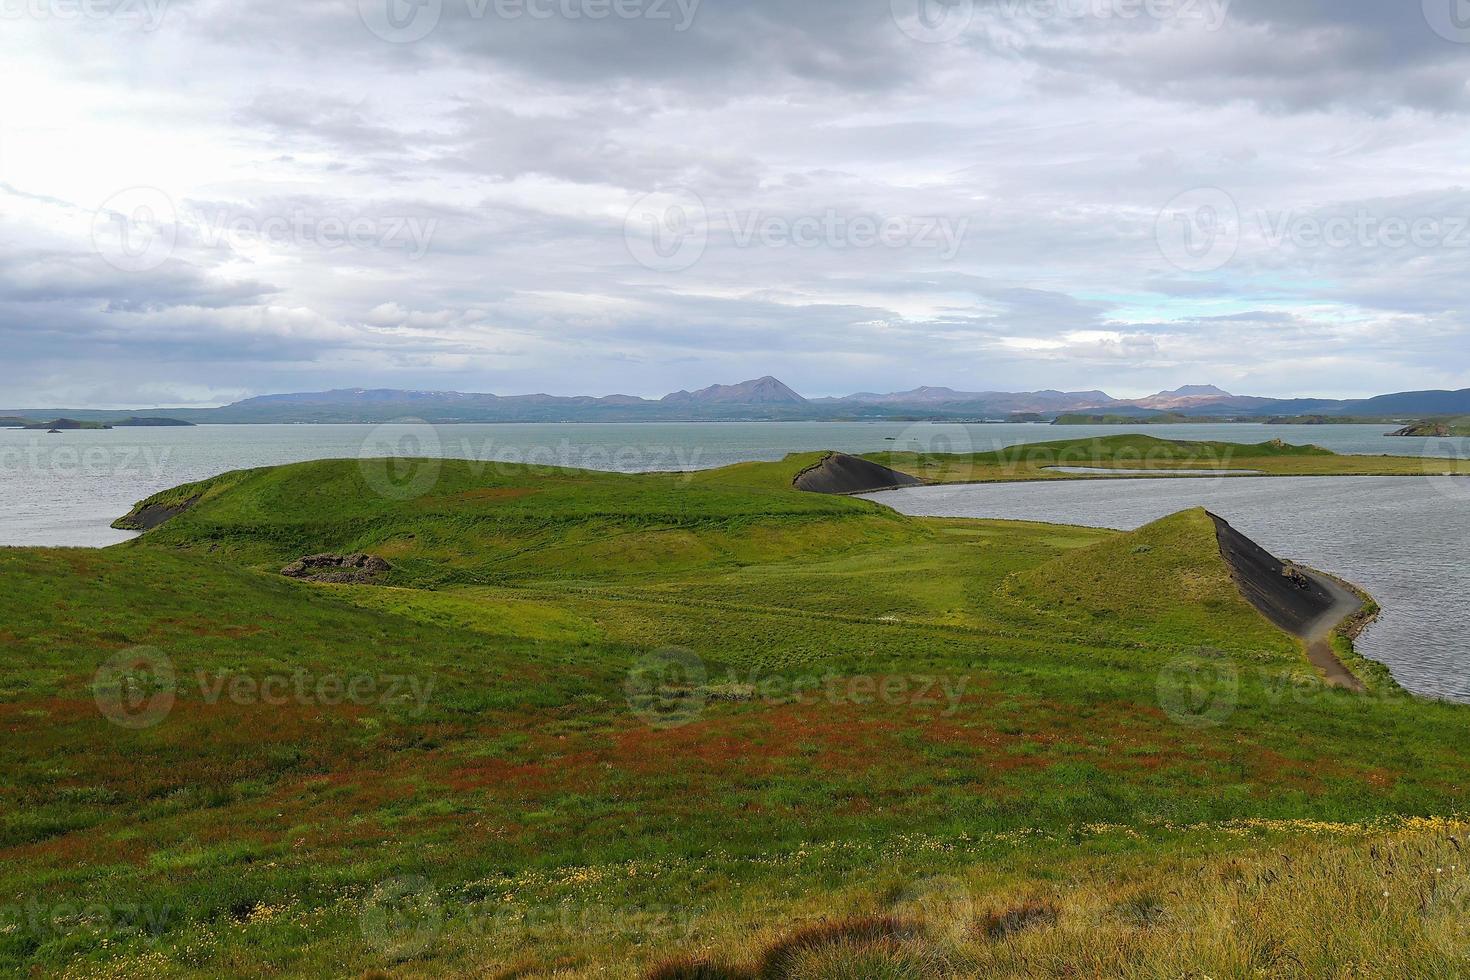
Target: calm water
{"x": 1402, "y": 539}
{"x": 1120, "y": 471}
{"x": 65, "y": 489}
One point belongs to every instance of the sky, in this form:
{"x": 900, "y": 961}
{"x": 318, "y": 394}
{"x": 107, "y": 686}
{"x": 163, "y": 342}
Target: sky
{"x": 204, "y": 200}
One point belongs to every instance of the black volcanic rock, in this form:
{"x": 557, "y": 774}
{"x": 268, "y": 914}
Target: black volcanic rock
{"x": 840, "y": 473}
{"x": 1284, "y": 594}
{"x": 356, "y": 569}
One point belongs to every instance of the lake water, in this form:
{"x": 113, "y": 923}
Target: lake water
{"x": 1120, "y": 471}
{"x": 66, "y": 489}
{"x": 1400, "y": 538}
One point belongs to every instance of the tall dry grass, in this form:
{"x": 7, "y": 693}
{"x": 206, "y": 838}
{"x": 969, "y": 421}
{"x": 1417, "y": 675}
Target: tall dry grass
{"x": 1327, "y": 904}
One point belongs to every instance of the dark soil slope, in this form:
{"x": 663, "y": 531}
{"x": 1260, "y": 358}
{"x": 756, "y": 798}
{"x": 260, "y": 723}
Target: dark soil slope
{"x": 1292, "y": 598}
{"x": 146, "y": 516}
{"x": 840, "y": 473}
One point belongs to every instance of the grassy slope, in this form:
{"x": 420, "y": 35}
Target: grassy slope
{"x": 495, "y": 523}
{"x": 1274, "y": 458}
{"x": 1166, "y": 581}
{"x": 556, "y": 825}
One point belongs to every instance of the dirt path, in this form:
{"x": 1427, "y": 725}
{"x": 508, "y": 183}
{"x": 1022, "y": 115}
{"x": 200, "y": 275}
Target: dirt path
{"x": 1318, "y": 634}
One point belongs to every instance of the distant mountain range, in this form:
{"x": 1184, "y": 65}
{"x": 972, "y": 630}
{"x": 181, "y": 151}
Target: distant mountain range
{"x": 762, "y": 391}
{"x": 769, "y": 399}
{"x": 1005, "y": 402}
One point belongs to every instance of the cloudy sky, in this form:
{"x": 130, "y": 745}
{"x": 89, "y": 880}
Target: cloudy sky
{"x": 202, "y": 200}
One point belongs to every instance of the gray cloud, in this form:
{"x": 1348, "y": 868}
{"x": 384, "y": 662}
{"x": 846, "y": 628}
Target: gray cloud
{"x": 508, "y": 152}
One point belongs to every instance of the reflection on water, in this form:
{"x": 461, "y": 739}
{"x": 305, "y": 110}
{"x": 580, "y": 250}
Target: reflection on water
{"x": 1400, "y": 538}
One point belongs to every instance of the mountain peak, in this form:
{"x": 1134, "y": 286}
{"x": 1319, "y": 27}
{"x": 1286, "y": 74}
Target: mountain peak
{"x": 761, "y": 391}
{"x": 1191, "y": 396}
{"x": 1198, "y": 391}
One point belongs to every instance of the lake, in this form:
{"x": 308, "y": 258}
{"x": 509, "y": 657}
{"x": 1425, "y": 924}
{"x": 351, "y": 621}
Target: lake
{"x": 66, "y": 489}
{"x": 1400, "y": 538}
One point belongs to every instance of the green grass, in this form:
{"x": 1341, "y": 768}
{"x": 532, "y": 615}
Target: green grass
{"x": 1167, "y": 581}
{"x": 1130, "y": 452}
{"x": 496, "y": 523}
{"x": 879, "y": 701}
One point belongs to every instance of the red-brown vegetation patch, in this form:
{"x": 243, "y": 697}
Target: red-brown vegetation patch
{"x": 1381, "y": 779}
{"x": 1099, "y": 731}
{"x": 756, "y": 742}
{"x": 79, "y": 561}
{"x": 694, "y": 968}
{"x": 92, "y": 847}
{"x": 504, "y": 774}
{"x": 197, "y": 745}
{"x": 841, "y": 737}
{"x": 46, "y": 712}
{"x": 1273, "y": 771}
{"x": 726, "y": 748}
{"x": 714, "y": 747}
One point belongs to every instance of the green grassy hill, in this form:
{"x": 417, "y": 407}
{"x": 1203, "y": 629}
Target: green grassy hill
{"x": 601, "y": 725}
{"x": 486, "y": 523}
{"x": 1038, "y": 461}
{"x": 1165, "y": 580}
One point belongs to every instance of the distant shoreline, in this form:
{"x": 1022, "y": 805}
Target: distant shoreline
{"x": 410, "y": 420}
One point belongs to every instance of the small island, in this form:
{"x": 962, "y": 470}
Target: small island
{"x": 137, "y": 421}
{"x": 1156, "y": 418}
{"x": 1437, "y": 428}
{"x": 61, "y": 425}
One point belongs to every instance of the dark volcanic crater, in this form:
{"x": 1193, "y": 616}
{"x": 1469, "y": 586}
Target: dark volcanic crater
{"x": 840, "y": 473}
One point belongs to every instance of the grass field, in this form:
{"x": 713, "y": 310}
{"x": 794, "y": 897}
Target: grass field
{"x": 669, "y": 725}
{"x": 1130, "y": 452}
